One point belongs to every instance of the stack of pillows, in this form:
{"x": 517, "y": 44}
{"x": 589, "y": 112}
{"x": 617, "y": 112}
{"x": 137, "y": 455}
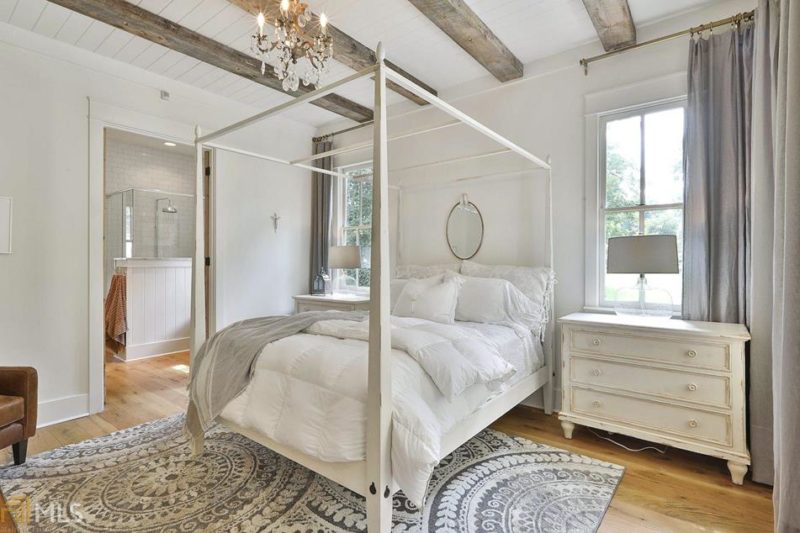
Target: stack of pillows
{"x": 472, "y": 292}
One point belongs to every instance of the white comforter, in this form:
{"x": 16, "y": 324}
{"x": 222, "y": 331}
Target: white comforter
{"x": 309, "y": 391}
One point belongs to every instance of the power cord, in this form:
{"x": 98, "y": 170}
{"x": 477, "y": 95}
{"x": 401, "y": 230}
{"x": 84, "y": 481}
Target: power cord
{"x": 609, "y": 439}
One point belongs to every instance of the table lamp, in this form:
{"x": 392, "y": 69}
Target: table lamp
{"x": 643, "y": 254}
{"x": 344, "y": 257}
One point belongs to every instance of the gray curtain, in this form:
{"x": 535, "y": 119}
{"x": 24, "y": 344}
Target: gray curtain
{"x": 776, "y": 205}
{"x": 763, "y": 212}
{"x": 716, "y": 160}
{"x": 321, "y": 211}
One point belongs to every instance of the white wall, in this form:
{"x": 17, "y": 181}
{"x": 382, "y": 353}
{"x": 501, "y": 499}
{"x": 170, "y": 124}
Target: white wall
{"x": 44, "y": 166}
{"x": 513, "y": 230}
{"x": 260, "y": 269}
{"x": 546, "y": 114}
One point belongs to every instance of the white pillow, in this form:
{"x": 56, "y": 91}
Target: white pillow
{"x": 395, "y": 288}
{"x": 424, "y": 271}
{"x": 535, "y": 282}
{"x": 495, "y": 301}
{"x": 433, "y": 298}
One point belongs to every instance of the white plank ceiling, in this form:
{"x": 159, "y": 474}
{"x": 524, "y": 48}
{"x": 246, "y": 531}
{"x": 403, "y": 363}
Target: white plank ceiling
{"x": 531, "y": 29}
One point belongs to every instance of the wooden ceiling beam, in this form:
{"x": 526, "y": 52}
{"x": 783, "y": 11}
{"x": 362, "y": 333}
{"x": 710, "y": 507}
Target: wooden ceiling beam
{"x": 459, "y": 21}
{"x": 346, "y": 50}
{"x": 140, "y": 22}
{"x": 613, "y": 22}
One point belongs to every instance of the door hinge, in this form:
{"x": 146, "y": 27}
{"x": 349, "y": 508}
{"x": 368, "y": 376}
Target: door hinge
{"x": 208, "y": 261}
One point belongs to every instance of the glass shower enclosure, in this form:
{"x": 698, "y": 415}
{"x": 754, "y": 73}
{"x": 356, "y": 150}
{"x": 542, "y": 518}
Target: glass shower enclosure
{"x": 148, "y": 223}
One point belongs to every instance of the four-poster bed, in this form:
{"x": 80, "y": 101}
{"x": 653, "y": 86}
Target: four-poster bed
{"x": 372, "y": 477}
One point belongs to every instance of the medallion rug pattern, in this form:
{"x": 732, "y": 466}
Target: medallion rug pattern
{"x": 145, "y": 479}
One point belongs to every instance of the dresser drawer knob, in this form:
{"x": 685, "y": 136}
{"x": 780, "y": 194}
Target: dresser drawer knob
{"x": 597, "y": 372}
{"x": 596, "y": 341}
{"x": 693, "y": 423}
{"x": 692, "y": 387}
{"x": 596, "y": 403}
{"x": 691, "y": 353}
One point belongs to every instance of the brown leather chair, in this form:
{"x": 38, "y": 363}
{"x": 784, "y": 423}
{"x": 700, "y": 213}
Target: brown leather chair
{"x": 18, "y": 403}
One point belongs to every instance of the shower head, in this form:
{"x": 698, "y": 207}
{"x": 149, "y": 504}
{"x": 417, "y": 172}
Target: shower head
{"x": 169, "y": 209}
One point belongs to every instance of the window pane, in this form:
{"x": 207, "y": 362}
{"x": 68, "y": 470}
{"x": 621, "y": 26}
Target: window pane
{"x": 667, "y": 222}
{"x": 663, "y": 159}
{"x": 356, "y": 225}
{"x": 366, "y": 201}
{"x": 363, "y": 277}
{"x": 348, "y": 278}
{"x": 621, "y": 224}
{"x": 623, "y": 162}
{"x": 365, "y": 242}
{"x": 350, "y": 237}
{"x": 352, "y": 203}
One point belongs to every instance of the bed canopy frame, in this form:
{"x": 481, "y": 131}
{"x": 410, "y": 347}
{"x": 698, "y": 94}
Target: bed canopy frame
{"x": 372, "y": 478}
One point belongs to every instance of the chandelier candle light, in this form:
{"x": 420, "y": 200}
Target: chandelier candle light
{"x": 288, "y": 46}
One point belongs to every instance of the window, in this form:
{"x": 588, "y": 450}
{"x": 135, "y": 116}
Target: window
{"x": 641, "y": 193}
{"x": 356, "y": 224}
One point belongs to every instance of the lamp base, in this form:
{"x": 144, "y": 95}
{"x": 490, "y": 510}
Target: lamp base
{"x": 644, "y": 302}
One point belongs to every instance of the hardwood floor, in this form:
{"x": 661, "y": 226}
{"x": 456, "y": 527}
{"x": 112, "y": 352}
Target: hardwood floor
{"x": 677, "y": 491}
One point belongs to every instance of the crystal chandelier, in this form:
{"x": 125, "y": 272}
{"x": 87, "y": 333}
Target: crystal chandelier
{"x": 288, "y": 49}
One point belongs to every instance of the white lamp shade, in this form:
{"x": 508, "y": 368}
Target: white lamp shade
{"x": 344, "y": 257}
{"x": 643, "y": 254}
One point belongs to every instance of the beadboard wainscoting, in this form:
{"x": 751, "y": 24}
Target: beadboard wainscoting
{"x": 158, "y": 306}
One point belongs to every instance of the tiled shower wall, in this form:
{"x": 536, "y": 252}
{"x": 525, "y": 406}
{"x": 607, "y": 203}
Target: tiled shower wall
{"x": 134, "y": 166}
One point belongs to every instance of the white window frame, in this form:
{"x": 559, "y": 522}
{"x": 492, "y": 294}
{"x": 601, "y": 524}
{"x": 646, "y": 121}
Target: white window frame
{"x": 338, "y": 226}
{"x": 596, "y": 127}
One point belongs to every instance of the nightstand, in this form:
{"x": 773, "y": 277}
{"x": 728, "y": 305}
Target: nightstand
{"x": 674, "y": 382}
{"x": 328, "y": 302}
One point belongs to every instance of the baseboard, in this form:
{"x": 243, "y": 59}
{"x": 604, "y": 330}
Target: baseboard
{"x": 153, "y": 349}
{"x": 62, "y": 409}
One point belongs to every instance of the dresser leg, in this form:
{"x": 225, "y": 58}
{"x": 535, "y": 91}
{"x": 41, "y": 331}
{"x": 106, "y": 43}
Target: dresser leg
{"x": 567, "y": 427}
{"x": 738, "y": 470}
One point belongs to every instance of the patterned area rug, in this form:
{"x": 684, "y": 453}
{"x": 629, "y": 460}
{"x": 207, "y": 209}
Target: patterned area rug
{"x": 144, "y": 479}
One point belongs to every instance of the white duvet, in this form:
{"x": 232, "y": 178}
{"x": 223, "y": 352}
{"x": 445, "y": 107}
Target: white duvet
{"x": 309, "y": 391}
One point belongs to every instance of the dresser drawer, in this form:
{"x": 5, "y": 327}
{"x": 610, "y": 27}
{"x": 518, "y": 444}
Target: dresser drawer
{"x": 687, "y": 353}
{"x": 668, "y": 383}
{"x": 661, "y": 418}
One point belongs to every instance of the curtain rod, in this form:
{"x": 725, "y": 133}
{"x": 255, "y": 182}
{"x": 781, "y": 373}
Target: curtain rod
{"x": 734, "y": 20}
{"x": 351, "y": 128}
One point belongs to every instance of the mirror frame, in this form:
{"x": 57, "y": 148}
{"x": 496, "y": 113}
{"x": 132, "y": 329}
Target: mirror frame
{"x": 447, "y": 235}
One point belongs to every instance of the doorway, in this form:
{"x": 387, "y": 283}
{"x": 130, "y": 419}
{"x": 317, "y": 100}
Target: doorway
{"x": 148, "y": 249}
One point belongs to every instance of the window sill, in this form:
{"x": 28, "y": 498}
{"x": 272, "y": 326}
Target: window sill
{"x": 610, "y": 311}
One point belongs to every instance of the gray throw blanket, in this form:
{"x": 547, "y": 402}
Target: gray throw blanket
{"x": 223, "y": 366}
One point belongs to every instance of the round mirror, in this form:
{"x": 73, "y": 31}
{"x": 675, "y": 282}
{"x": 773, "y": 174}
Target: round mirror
{"x": 464, "y": 230}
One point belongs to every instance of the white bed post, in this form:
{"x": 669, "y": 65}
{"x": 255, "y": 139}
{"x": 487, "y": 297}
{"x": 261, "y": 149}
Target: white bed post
{"x": 379, "y": 397}
{"x": 550, "y": 330}
{"x": 198, "y": 311}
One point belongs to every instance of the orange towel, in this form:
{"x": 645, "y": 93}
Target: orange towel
{"x": 115, "y": 309}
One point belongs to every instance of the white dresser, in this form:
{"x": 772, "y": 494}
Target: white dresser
{"x": 328, "y": 302}
{"x": 674, "y": 382}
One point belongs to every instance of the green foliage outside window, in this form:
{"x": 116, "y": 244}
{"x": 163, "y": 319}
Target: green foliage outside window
{"x": 645, "y": 200}
{"x": 357, "y": 223}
